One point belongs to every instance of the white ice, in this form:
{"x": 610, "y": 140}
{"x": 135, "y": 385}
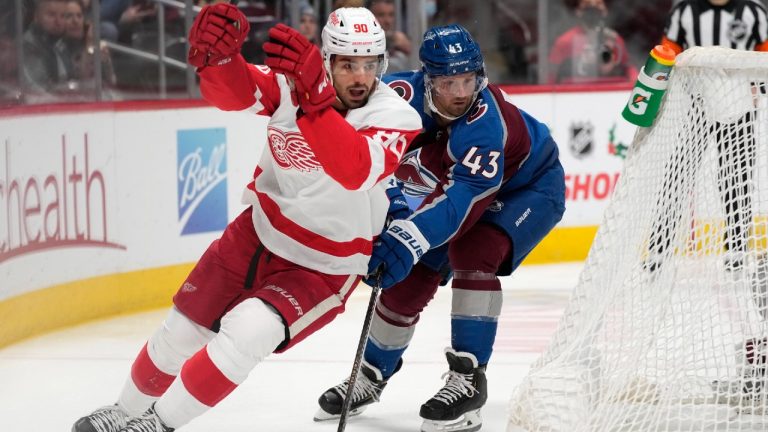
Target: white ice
{"x": 46, "y": 383}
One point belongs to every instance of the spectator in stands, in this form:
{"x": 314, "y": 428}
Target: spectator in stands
{"x": 137, "y": 13}
{"x": 590, "y": 51}
{"x": 77, "y": 48}
{"x": 262, "y": 16}
{"x": 348, "y": 3}
{"x": 9, "y": 83}
{"x": 398, "y": 45}
{"x": 308, "y": 24}
{"x": 111, "y": 11}
{"x": 44, "y": 70}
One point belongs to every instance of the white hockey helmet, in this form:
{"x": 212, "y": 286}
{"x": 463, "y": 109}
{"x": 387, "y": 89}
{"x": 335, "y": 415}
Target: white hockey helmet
{"x": 354, "y": 32}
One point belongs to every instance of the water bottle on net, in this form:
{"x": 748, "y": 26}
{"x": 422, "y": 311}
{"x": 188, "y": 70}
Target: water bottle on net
{"x": 645, "y": 100}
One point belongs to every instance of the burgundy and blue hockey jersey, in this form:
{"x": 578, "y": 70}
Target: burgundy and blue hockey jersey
{"x": 494, "y": 149}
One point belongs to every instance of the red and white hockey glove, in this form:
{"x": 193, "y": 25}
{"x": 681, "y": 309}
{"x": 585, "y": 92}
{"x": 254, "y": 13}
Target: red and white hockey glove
{"x": 290, "y": 53}
{"x": 216, "y": 35}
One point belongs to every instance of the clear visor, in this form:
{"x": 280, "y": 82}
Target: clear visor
{"x": 348, "y": 65}
{"x": 456, "y": 85}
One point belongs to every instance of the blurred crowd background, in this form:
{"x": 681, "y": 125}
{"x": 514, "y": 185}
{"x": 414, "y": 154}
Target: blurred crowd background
{"x": 88, "y": 50}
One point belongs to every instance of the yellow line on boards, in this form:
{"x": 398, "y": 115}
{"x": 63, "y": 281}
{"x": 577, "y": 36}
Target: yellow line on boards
{"x": 76, "y": 302}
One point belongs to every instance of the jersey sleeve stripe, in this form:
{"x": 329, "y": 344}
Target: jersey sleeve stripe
{"x": 306, "y": 237}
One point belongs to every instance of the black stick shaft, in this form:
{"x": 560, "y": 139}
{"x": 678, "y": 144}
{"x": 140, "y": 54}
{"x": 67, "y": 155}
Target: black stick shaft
{"x": 359, "y": 355}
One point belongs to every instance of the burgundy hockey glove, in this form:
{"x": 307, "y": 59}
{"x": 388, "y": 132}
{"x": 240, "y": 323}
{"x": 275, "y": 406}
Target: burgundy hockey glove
{"x": 290, "y": 53}
{"x": 216, "y": 35}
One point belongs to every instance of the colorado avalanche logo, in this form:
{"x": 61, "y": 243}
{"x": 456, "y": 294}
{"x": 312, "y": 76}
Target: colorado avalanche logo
{"x": 290, "y": 151}
{"x": 477, "y": 111}
{"x": 417, "y": 180}
{"x": 403, "y": 88}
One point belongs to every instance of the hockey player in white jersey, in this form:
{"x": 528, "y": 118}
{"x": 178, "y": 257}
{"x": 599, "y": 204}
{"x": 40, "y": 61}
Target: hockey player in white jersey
{"x": 284, "y": 267}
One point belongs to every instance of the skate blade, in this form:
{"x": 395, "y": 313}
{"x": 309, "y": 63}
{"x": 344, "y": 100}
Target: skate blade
{"x": 469, "y": 422}
{"x": 322, "y": 415}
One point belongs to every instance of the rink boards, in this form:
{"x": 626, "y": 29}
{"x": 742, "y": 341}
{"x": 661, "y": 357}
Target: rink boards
{"x": 104, "y": 208}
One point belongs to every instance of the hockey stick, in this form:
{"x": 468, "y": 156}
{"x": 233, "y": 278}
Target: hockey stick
{"x": 359, "y": 354}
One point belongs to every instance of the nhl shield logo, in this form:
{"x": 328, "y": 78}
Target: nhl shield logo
{"x": 737, "y": 31}
{"x": 496, "y": 206}
{"x": 581, "y": 140}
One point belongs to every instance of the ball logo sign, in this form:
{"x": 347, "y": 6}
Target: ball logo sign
{"x": 201, "y": 175}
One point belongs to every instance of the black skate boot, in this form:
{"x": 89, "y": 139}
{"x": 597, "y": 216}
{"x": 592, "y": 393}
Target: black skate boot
{"x": 456, "y": 407}
{"x": 147, "y": 422}
{"x": 106, "y": 419}
{"x": 367, "y": 390}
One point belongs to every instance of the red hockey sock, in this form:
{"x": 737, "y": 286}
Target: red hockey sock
{"x": 204, "y": 380}
{"x": 147, "y": 377}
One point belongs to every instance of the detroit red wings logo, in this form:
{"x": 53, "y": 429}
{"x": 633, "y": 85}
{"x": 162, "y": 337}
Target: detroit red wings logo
{"x": 291, "y": 151}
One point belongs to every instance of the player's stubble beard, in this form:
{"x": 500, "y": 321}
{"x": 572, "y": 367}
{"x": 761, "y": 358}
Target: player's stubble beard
{"x": 452, "y": 107}
{"x": 348, "y": 102}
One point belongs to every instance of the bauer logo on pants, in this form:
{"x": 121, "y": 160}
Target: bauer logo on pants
{"x": 201, "y": 177}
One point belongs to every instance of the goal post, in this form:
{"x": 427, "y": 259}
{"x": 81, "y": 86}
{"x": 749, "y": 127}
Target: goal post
{"x": 667, "y": 327}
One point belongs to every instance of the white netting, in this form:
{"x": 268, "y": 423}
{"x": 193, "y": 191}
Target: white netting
{"x": 667, "y": 327}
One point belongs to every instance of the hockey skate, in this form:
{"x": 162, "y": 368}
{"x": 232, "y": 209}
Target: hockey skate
{"x": 456, "y": 407}
{"x": 147, "y": 422}
{"x": 110, "y": 418}
{"x": 368, "y": 388}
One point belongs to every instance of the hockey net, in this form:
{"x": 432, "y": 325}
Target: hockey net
{"x": 666, "y": 329}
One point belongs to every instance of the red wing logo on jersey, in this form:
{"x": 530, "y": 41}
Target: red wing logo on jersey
{"x": 477, "y": 111}
{"x": 291, "y": 151}
{"x": 403, "y": 88}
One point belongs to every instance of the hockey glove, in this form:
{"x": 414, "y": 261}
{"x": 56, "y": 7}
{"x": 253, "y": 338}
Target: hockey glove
{"x": 398, "y": 206}
{"x": 395, "y": 253}
{"x": 216, "y": 35}
{"x": 290, "y": 53}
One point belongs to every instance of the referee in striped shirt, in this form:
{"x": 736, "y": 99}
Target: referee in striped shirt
{"x": 737, "y": 24}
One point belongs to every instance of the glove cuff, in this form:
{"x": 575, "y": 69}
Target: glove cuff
{"x": 406, "y": 233}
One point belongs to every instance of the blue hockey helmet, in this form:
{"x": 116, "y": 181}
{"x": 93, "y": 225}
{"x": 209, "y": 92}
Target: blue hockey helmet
{"x": 450, "y": 50}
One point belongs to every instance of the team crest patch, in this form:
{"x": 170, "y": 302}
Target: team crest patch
{"x": 417, "y": 180}
{"x": 477, "y": 111}
{"x": 737, "y": 31}
{"x": 291, "y": 151}
{"x": 403, "y": 88}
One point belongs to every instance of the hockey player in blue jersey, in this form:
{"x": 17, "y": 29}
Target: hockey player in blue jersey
{"x": 492, "y": 188}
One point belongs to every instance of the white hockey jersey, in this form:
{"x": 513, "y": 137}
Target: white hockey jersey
{"x": 318, "y": 193}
